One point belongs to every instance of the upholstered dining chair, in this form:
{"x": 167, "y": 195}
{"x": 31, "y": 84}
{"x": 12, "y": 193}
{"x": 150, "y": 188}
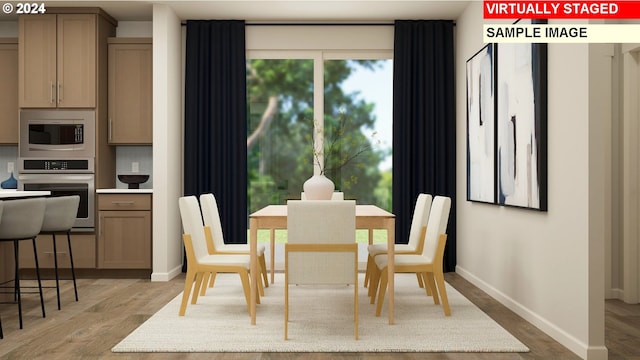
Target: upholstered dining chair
{"x": 215, "y": 237}
{"x": 337, "y": 195}
{"x": 428, "y": 264}
{"x": 22, "y": 220}
{"x": 199, "y": 261}
{"x": 415, "y": 244}
{"x": 321, "y": 248}
{"x": 60, "y": 214}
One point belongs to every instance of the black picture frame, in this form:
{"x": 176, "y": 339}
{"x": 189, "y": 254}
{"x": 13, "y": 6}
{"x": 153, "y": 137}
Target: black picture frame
{"x": 481, "y": 157}
{"x": 521, "y": 124}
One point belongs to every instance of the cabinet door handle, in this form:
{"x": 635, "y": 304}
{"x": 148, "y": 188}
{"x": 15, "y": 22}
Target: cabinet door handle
{"x": 123, "y": 203}
{"x": 50, "y": 92}
{"x": 59, "y": 93}
{"x": 110, "y": 129}
{"x": 51, "y": 253}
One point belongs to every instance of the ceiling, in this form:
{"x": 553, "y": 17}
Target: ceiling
{"x": 281, "y": 10}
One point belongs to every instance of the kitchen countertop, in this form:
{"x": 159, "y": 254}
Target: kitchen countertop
{"x": 13, "y": 194}
{"x": 124, "y": 191}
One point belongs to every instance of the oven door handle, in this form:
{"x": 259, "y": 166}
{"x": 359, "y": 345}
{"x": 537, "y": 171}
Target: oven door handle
{"x": 55, "y": 178}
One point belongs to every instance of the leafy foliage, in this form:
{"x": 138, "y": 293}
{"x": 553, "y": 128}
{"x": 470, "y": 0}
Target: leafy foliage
{"x": 282, "y": 159}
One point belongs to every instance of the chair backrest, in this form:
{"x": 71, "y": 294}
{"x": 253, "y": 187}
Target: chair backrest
{"x": 420, "y": 218}
{"x": 60, "y": 213}
{"x": 211, "y": 217}
{"x": 192, "y": 224}
{"x": 22, "y": 218}
{"x": 438, "y": 220}
{"x": 337, "y": 195}
{"x": 321, "y": 222}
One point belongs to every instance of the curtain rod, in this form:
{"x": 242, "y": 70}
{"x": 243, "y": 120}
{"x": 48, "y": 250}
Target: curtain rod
{"x": 316, "y": 24}
{"x": 312, "y": 24}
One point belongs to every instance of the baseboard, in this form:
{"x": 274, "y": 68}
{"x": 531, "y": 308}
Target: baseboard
{"x": 581, "y": 349}
{"x": 166, "y": 276}
{"x": 614, "y": 294}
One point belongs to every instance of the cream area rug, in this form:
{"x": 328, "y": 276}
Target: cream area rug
{"x": 320, "y": 320}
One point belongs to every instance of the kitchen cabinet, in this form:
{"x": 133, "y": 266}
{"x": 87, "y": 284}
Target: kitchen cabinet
{"x": 58, "y": 57}
{"x": 9, "y": 91}
{"x": 130, "y": 91}
{"x": 83, "y": 246}
{"x": 124, "y": 231}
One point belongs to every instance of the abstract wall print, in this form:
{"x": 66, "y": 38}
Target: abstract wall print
{"x": 481, "y": 179}
{"x": 521, "y": 120}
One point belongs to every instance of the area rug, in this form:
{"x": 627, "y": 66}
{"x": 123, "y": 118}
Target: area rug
{"x": 320, "y": 320}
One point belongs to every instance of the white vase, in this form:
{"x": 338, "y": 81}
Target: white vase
{"x": 318, "y": 187}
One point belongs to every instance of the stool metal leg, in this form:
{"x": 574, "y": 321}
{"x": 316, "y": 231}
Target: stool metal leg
{"x": 16, "y": 281}
{"x": 35, "y": 256}
{"x": 73, "y": 271}
{"x": 55, "y": 264}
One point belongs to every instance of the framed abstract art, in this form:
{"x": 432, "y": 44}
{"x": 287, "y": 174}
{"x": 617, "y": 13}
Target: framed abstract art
{"x": 521, "y": 122}
{"x": 481, "y": 168}
{"x": 507, "y": 125}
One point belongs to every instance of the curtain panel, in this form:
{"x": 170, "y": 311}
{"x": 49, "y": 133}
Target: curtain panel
{"x": 215, "y": 133}
{"x": 424, "y": 136}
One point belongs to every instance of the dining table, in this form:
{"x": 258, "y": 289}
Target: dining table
{"x": 273, "y": 217}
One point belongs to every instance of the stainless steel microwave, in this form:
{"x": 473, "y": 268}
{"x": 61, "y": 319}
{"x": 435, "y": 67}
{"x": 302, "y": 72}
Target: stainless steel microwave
{"x": 57, "y": 134}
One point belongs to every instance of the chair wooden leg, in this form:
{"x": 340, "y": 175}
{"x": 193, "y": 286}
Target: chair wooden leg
{"x": 244, "y": 277}
{"x": 212, "y": 279}
{"x": 382, "y": 290}
{"x": 374, "y": 282}
{"x": 420, "y": 282}
{"x": 188, "y": 283}
{"x": 428, "y": 289}
{"x": 205, "y": 281}
{"x": 443, "y": 292}
{"x": 431, "y": 284}
{"x": 355, "y": 303}
{"x": 263, "y": 266}
{"x": 196, "y": 290}
{"x": 368, "y": 271}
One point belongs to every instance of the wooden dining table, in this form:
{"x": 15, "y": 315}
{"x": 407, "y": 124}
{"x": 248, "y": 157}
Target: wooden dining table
{"x": 274, "y": 217}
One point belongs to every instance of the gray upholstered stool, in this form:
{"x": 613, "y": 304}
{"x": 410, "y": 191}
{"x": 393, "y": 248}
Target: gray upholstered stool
{"x": 21, "y": 220}
{"x": 59, "y": 216}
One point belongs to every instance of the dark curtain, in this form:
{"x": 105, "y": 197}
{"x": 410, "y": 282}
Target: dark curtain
{"x": 215, "y": 134}
{"x": 424, "y": 136}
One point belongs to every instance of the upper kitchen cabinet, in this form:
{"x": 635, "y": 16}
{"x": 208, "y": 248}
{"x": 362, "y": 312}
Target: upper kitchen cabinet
{"x": 9, "y": 91}
{"x": 130, "y": 91}
{"x": 58, "y": 57}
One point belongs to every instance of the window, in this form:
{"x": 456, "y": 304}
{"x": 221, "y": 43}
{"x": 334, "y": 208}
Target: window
{"x": 291, "y": 90}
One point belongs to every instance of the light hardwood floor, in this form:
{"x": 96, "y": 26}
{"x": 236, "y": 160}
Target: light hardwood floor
{"x": 109, "y": 309}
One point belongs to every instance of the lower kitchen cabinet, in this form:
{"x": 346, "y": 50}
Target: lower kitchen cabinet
{"x": 82, "y": 245}
{"x": 124, "y": 231}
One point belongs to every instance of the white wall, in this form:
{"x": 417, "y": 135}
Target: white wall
{"x": 167, "y": 143}
{"x": 539, "y": 263}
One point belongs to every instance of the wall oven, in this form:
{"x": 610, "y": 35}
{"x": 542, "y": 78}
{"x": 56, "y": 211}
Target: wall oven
{"x": 63, "y": 177}
{"x": 57, "y": 134}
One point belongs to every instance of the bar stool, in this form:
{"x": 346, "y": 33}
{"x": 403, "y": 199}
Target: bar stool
{"x": 60, "y": 214}
{"x": 22, "y": 220}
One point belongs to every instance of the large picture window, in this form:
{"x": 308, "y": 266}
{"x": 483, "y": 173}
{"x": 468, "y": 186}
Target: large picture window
{"x": 329, "y": 80}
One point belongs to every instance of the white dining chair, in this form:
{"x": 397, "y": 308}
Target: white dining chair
{"x": 215, "y": 239}
{"x": 428, "y": 264}
{"x": 199, "y": 261}
{"x": 416, "y": 239}
{"x": 337, "y": 195}
{"x": 321, "y": 248}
